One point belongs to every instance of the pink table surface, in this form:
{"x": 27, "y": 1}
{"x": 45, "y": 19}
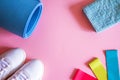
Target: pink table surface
{"x": 64, "y": 39}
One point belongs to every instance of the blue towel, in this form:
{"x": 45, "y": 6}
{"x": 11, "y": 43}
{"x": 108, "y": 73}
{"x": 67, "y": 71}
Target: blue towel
{"x": 103, "y": 13}
{"x": 20, "y": 16}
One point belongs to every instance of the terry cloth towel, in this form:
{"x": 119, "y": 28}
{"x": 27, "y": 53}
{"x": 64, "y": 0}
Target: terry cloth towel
{"x": 103, "y": 13}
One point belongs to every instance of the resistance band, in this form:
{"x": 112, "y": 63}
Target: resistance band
{"x": 112, "y": 64}
{"x": 80, "y": 75}
{"x": 20, "y": 16}
{"x": 98, "y": 69}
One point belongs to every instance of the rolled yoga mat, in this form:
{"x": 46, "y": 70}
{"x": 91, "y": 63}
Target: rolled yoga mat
{"x": 20, "y": 16}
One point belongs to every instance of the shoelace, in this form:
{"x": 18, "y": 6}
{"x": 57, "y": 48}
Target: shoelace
{"x": 4, "y": 65}
{"x": 22, "y": 75}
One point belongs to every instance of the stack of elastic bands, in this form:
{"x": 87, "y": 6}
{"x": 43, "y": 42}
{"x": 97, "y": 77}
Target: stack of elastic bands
{"x": 112, "y": 72}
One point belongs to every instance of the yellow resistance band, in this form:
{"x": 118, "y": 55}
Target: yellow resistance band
{"x": 98, "y": 69}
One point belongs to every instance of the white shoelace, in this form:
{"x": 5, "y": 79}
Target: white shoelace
{"x": 22, "y": 75}
{"x": 4, "y": 65}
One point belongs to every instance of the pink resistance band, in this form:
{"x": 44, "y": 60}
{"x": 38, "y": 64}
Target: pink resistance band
{"x": 80, "y": 75}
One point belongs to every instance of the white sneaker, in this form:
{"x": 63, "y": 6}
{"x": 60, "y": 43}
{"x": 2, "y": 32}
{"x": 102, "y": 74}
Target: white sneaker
{"x": 32, "y": 70}
{"x": 10, "y": 61}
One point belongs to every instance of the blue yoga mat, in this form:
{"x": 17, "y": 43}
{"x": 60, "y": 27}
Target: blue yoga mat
{"x": 20, "y": 16}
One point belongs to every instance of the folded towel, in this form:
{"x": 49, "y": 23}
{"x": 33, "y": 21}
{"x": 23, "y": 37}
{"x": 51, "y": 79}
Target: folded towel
{"x": 103, "y": 13}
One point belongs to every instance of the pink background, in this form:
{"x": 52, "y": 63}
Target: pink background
{"x": 64, "y": 39}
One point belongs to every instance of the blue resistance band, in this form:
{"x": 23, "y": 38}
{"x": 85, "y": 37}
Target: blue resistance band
{"x": 112, "y": 64}
{"x": 20, "y": 16}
